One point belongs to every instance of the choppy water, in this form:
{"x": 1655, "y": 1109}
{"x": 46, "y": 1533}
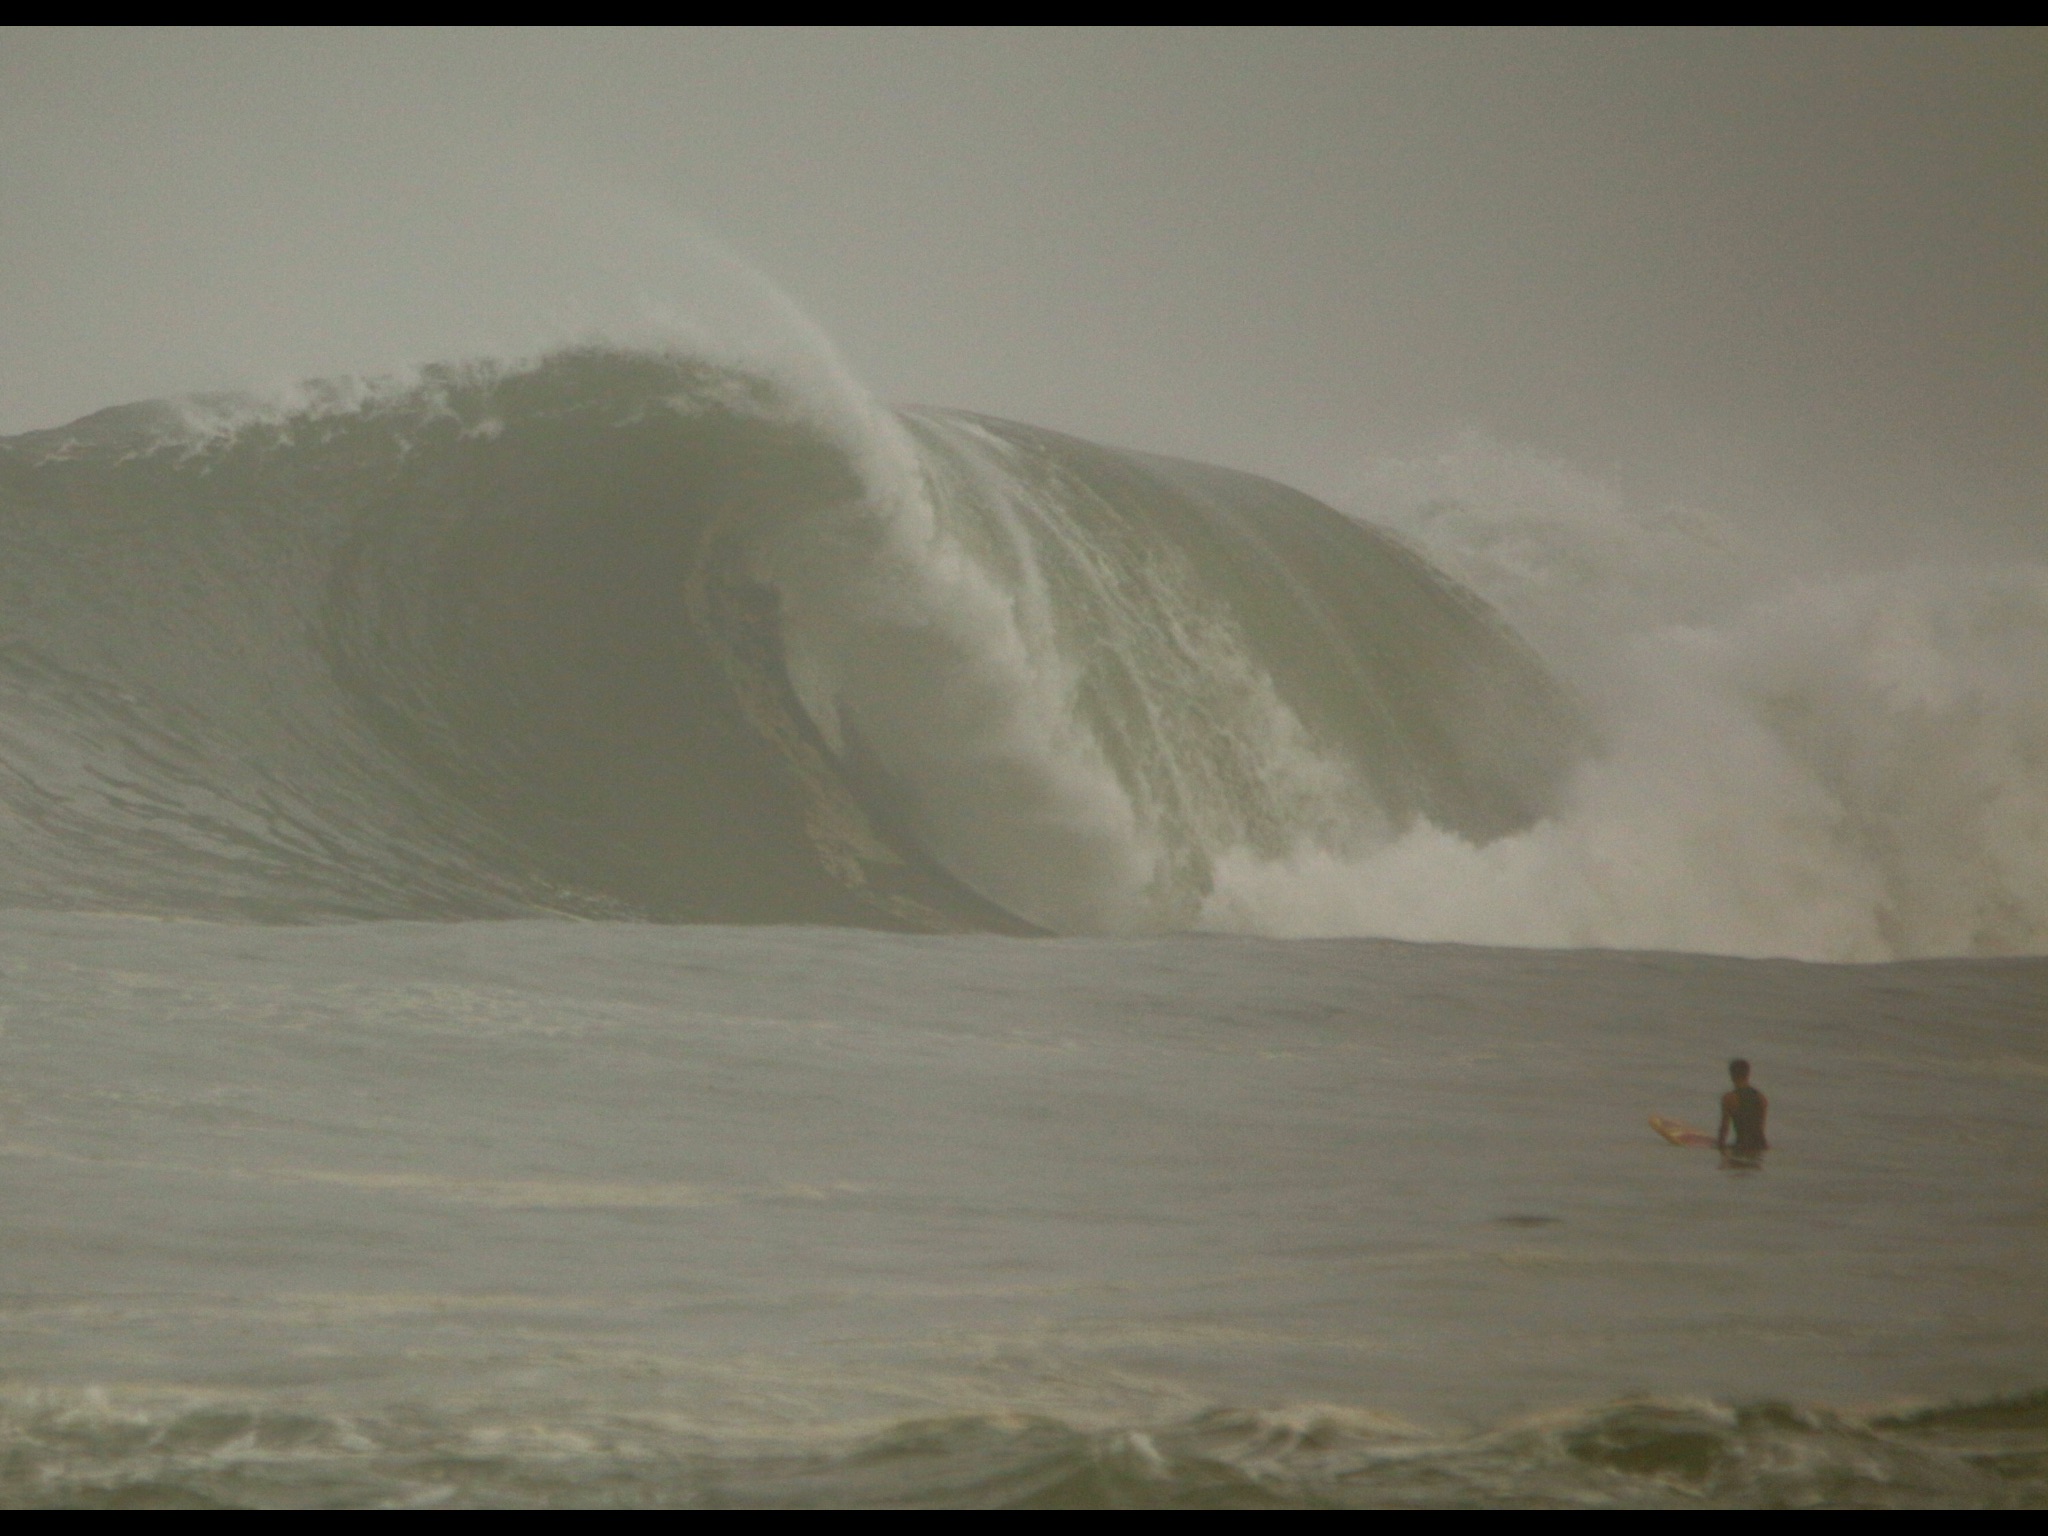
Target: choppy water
{"x": 396, "y": 1106}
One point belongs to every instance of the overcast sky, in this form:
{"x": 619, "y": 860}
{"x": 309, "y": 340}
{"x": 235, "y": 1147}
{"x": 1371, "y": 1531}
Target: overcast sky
{"x": 1777, "y": 269}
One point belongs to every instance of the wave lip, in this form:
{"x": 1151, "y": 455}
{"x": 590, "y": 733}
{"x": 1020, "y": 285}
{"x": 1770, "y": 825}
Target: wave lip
{"x": 636, "y": 635}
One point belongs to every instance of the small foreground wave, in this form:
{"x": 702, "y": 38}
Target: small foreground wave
{"x": 136, "y": 1448}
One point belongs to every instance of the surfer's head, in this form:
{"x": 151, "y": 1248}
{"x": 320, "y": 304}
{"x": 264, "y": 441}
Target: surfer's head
{"x": 1738, "y": 1069}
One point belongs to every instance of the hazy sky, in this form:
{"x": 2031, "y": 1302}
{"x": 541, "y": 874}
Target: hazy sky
{"x": 1768, "y": 268}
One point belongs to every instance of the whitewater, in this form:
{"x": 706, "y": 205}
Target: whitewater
{"x": 625, "y": 928}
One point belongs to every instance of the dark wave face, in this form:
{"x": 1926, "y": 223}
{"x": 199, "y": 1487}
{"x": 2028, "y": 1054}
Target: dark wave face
{"x": 633, "y": 635}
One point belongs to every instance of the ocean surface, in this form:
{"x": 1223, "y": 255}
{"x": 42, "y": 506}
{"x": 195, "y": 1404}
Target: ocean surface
{"x": 613, "y": 931}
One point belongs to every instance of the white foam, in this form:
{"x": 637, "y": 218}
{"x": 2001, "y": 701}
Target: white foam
{"x": 1831, "y": 767}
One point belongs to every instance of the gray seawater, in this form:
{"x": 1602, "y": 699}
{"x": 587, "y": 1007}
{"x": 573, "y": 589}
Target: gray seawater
{"x": 611, "y": 1213}
{"x": 605, "y": 931}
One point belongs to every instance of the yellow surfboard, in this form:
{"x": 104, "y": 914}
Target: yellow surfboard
{"x": 1678, "y": 1133}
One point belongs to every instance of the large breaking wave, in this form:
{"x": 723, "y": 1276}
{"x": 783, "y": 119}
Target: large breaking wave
{"x": 632, "y": 634}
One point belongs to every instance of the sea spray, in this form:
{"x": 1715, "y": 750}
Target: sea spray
{"x": 1843, "y": 766}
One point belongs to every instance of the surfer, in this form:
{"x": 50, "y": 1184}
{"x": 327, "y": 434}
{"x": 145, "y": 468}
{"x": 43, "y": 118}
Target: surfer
{"x": 1742, "y": 1109}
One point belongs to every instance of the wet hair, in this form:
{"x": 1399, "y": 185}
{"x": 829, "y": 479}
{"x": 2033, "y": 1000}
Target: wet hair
{"x": 1738, "y": 1069}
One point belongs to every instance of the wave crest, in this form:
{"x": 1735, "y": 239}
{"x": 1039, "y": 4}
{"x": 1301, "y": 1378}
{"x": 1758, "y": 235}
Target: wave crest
{"x": 632, "y": 633}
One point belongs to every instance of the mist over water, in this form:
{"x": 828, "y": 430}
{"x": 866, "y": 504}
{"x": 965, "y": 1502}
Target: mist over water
{"x": 1796, "y": 758}
{"x": 593, "y": 913}
{"x": 1784, "y": 745}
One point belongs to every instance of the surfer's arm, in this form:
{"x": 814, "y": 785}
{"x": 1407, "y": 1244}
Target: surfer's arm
{"x": 1727, "y": 1119}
